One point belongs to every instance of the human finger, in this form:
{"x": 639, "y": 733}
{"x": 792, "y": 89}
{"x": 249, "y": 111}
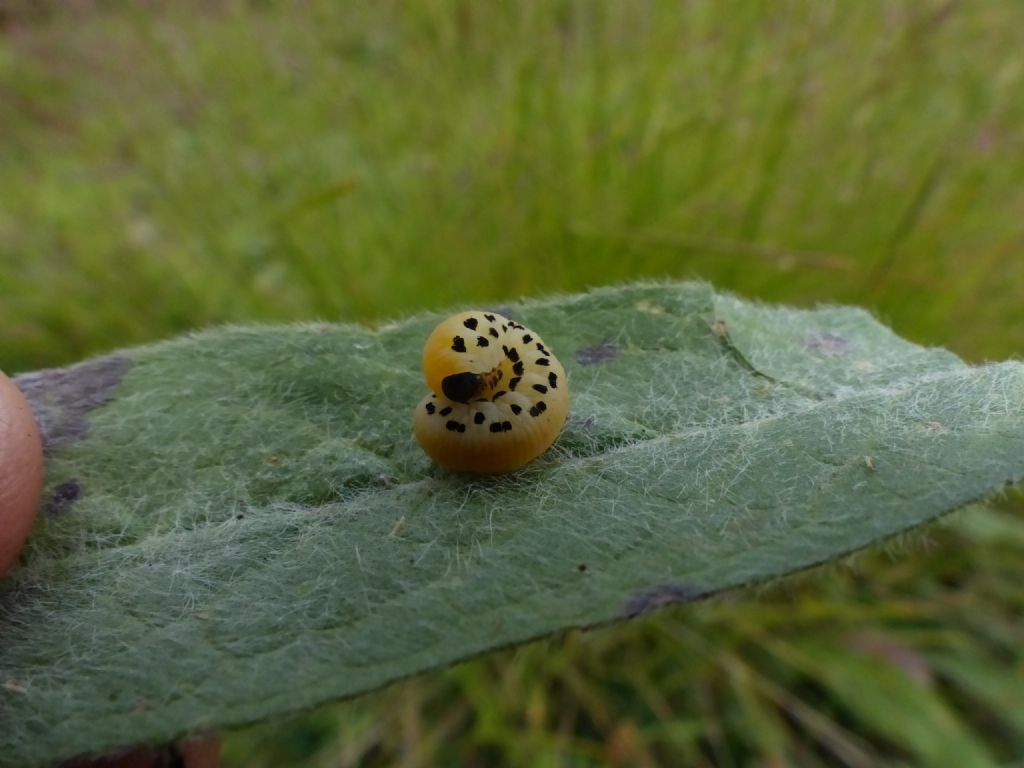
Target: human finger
{"x": 21, "y": 471}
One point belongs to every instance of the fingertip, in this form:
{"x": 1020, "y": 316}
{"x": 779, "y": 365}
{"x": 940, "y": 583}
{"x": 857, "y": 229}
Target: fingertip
{"x": 21, "y": 471}
{"x": 200, "y": 751}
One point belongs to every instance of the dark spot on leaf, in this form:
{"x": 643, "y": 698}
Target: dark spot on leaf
{"x": 582, "y": 567}
{"x": 61, "y": 398}
{"x": 828, "y": 344}
{"x": 239, "y": 516}
{"x": 63, "y": 497}
{"x": 599, "y": 353}
{"x": 671, "y": 593}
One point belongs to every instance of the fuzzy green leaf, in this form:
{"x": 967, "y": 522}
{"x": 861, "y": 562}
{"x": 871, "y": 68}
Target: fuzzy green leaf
{"x": 239, "y": 523}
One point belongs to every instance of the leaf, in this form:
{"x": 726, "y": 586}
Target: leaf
{"x": 239, "y": 523}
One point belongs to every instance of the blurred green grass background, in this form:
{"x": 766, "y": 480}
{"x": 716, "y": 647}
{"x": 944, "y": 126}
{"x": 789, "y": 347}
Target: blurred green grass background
{"x": 170, "y": 165}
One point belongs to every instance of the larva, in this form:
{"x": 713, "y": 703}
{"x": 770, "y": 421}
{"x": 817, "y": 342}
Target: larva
{"x": 498, "y": 396}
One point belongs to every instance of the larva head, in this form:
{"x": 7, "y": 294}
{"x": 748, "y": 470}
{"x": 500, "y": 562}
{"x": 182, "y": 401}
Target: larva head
{"x": 456, "y": 357}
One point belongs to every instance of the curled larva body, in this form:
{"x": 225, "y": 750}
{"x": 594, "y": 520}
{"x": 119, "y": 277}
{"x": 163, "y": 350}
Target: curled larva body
{"x": 498, "y": 396}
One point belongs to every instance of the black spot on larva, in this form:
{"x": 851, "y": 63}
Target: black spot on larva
{"x": 481, "y": 341}
{"x": 430, "y": 408}
{"x": 495, "y": 426}
{"x": 61, "y": 398}
{"x": 490, "y": 318}
{"x": 527, "y": 338}
{"x": 493, "y": 332}
{"x": 506, "y": 426}
{"x": 828, "y": 344}
{"x": 538, "y": 409}
{"x": 513, "y": 383}
{"x": 513, "y": 355}
{"x": 471, "y": 323}
{"x": 63, "y": 496}
{"x": 446, "y": 410}
{"x": 462, "y": 387}
{"x": 516, "y": 409}
{"x": 542, "y": 361}
{"x": 541, "y": 388}
{"x": 599, "y": 353}
{"x": 504, "y": 328}
{"x": 455, "y": 426}
{"x": 542, "y": 349}
{"x": 459, "y": 344}
{"x": 518, "y": 368}
{"x": 498, "y": 394}
{"x": 553, "y": 380}
{"x": 647, "y": 600}
{"x": 479, "y": 417}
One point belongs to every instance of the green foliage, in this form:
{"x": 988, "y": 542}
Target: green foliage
{"x": 227, "y": 161}
{"x": 244, "y": 523}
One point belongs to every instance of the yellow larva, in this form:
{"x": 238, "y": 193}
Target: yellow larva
{"x": 498, "y": 396}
